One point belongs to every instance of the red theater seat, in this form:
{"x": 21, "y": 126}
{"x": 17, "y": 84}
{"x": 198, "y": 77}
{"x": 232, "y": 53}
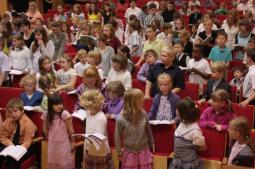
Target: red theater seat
{"x": 191, "y": 90}
{"x": 8, "y": 93}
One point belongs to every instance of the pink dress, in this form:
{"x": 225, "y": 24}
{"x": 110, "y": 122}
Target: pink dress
{"x": 59, "y": 144}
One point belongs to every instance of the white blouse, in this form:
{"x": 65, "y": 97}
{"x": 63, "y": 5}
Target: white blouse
{"x": 19, "y": 58}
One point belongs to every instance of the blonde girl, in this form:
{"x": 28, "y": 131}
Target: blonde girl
{"x": 82, "y": 64}
{"x": 243, "y": 151}
{"x": 19, "y": 54}
{"x": 30, "y": 96}
{"x": 92, "y": 101}
{"x": 119, "y": 71}
{"x": 133, "y": 129}
{"x": 66, "y": 75}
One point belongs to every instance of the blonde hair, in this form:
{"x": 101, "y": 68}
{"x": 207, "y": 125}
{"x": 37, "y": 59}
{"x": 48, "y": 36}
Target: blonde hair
{"x": 15, "y": 103}
{"x": 81, "y": 53}
{"x": 164, "y": 76}
{"x": 132, "y": 108}
{"x": 219, "y": 67}
{"x": 67, "y": 57}
{"x": 222, "y": 95}
{"x": 96, "y": 55}
{"x": 92, "y": 99}
{"x": 92, "y": 72}
{"x": 116, "y": 87}
{"x": 169, "y": 50}
{"x": 28, "y": 78}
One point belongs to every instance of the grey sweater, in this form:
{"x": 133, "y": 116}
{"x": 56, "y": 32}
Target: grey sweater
{"x": 137, "y": 137}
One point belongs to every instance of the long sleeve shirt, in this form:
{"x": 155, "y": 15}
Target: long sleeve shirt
{"x": 209, "y": 118}
{"x": 19, "y": 58}
{"x": 27, "y": 131}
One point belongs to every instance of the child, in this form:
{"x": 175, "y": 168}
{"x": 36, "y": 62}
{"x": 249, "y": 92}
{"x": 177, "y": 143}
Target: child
{"x": 195, "y": 16}
{"x": 221, "y": 53}
{"x": 243, "y": 151}
{"x": 46, "y": 84}
{"x": 66, "y": 75}
{"x": 248, "y": 84}
{"x": 77, "y": 12}
{"x": 217, "y": 81}
{"x": 218, "y": 115}
{"x": 119, "y": 72}
{"x": 222, "y": 10}
{"x": 30, "y": 97}
{"x": 96, "y": 122}
{"x": 65, "y": 28}
{"x": 151, "y": 57}
{"x": 19, "y": 55}
{"x": 82, "y": 64}
{"x": 166, "y": 34}
{"x": 17, "y": 129}
{"x": 182, "y": 58}
{"x": 39, "y": 48}
{"x": 6, "y": 35}
{"x": 199, "y": 68}
{"x": 238, "y": 78}
{"x": 193, "y": 32}
{"x": 91, "y": 80}
{"x": 187, "y": 44}
{"x": 115, "y": 92}
{"x": 45, "y": 69}
{"x": 134, "y": 41}
{"x": 164, "y": 102}
{"x": 59, "y": 40}
{"x": 133, "y": 130}
{"x": 94, "y": 59}
{"x": 58, "y": 128}
{"x": 60, "y": 16}
{"x": 4, "y": 67}
{"x": 125, "y": 51}
{"x": 188, "y": 138}
{"x": 75, "y": 26}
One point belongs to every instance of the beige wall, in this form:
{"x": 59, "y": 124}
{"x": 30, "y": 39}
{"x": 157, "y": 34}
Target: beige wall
{"x": 3, "y": 6}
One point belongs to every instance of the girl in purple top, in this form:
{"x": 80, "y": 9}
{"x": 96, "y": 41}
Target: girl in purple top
{"x": 114, "y": 103}
{"x": 218, "y": 115}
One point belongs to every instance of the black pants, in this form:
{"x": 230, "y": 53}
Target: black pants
{"x": 12, "y": 163}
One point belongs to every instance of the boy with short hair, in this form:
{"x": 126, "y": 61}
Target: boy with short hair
{"x": 238, "y": 78}
{"x": 217, "y": 81}
{"x": 220, "y": 52}
{"x": 181, "y": 58}
{"x": 199, "y": 68}
{"x": 166, "y": 35}
{"x": 17, "y": 129}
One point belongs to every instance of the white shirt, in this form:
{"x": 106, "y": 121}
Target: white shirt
{"x": 191, "y": 3}
{"x": 97, "y": 124}
{"x": 166, "y": 39}
{"x": 193, "y": 133}
{"x": 4, "y": 62}
{"x": 231, "y": 32}
{"x": 135, "y": 40}
{"x": 242, "y": 7}
{"x": 40, "y": 52}
{"x": 136, "y": 11}
{"x": 80, "y": 67}
{"x": 64, "y": 77}
{"x": 249, "y": 82}
{"x": 203, "y": 66}
{"x": 201, "y": 28}
{"x": 19, "y": 58}
{"x": 123, "y": 76}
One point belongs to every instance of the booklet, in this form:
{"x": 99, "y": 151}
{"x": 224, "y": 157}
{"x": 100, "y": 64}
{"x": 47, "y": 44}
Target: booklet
{"x": 96, "y": 139}
{"x": 28, "y": 108}
{"x": 156, "y": 122}
{"x": 72, "y": 92}
{"x": 16, "y": 152}
{"x": 15, "y": 72}
{"x": 206, "y": 40}
{"x": 80, "y": 114}
{"x": 183, "y": 68}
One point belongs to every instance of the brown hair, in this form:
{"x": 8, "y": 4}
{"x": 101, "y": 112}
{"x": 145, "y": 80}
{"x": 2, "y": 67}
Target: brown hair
{"x": 241, "y": 125}
{"x": 67, "y": 57}
{"x": 150, "y": 52}
{"x": 132, "y": 108}
{"x": 45, "y": 83}
{"x": 42, "y": 71}
{"x": 19, "y": 37}
{"x": 122, "y": 60}
{"x": 45, "y": 39}
{"x": 91, "y": 72}
{"x": 112, "y": 32}
{"x": 116, "y": 87}
{"x": 96, "y": 55}
{"x": 222, "y": 95}
{"x": 15, "y": 103}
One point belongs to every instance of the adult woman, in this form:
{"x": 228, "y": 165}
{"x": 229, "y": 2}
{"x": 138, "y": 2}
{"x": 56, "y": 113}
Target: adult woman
{"x": 230, "y": 26}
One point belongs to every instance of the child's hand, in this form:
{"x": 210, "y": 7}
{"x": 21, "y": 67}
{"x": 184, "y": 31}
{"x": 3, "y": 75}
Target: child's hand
{"x": 40, "y": 42}
{"x": 218, "y": 127}
{"x": 107, "y": 115}
{"x": 112, "y": 116}
{"x": 244, "y": 103}
{"x": 147, "y": 97}
{"x": 201, "y": 101}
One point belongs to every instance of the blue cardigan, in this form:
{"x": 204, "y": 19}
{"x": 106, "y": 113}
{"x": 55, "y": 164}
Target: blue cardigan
{"x": 35, "y": 100}
{"x": 172, "y": 98}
